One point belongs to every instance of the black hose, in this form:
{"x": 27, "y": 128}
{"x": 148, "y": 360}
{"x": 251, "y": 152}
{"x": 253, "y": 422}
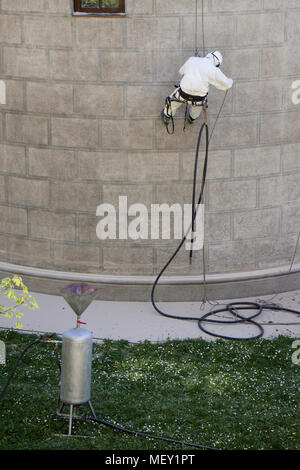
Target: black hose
{"x": 150, "y": 436}
{"x": 97, "y": 420}
{"x": 231, "y": 307}
{"x": 194, "y": 212}
{"x": 16, "y": 365}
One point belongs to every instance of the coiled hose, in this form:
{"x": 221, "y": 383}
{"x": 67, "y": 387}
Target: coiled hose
{"x": 232, "y": 307}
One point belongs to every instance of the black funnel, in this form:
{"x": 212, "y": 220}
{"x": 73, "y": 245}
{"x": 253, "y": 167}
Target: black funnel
{"x": 79, "y": 296}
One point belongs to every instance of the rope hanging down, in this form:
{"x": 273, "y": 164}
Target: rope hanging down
{"x": 196, "y": 28}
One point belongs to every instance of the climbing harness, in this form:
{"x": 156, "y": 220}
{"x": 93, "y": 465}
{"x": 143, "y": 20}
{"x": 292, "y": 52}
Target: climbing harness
{"x": 179, "y": 96}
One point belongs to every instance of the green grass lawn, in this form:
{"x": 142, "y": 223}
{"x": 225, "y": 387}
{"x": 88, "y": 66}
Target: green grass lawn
{"x": 223, "y": 394}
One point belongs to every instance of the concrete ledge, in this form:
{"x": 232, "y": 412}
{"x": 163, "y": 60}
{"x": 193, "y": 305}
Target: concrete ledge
{"x": 170, "y": 288}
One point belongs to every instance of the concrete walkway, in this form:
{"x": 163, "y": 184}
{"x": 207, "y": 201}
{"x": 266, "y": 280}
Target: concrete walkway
{"x": 138, "y": 321}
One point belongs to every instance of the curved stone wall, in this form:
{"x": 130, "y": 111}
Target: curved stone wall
{"x": 80, "y": 126}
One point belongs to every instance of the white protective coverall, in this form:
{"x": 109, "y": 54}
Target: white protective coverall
{"x": 198, "y": 73}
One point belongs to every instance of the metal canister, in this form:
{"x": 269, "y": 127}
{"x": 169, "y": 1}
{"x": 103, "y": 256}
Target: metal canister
{"x": 75, "y": 387}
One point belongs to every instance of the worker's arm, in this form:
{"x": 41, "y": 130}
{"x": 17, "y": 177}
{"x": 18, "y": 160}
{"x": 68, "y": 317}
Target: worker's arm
{"x": 182, "y": 69}
{"x": 220, "y": 81}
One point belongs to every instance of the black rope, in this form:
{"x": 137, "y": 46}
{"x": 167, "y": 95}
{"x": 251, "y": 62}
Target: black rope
{"x": 11, "y": 375}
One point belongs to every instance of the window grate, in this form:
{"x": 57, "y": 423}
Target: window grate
{"x": 99, "y": 6}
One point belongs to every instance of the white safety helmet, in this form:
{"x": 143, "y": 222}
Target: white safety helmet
{"x": 215, "y": 57}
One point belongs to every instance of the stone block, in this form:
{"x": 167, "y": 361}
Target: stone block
{"x": 215, "y": 101}
{"x": 153, "y": 33}
{"x": 78, "y": 258}
{"x": 153, "y": 166}
{"x": 135, "y": 7}
{"x": 126, "y": 66}
{"x": 75, "y": 196}
{"x": 51, "y": 225}
{"x": 72, "y": 132}
{"x": 290, "y": 154}
{"x": 49, "y": 98}
{"x": 87, "y": 228}
{"x": 234, "y": 130}
{"x": 291, "y": 218}
{"x": 256, "y": 161}
{"x": 167, "y": 65}
{"x": 241, "y": 64}
{"x": 26, "y": 129}
{"x": 171, "y": 193}
{"x": 217, "y": 227}
{"x": 230, "y": 195}
{"x": 180, "y": 264}
{"x": 279, "y": 189}
{"x": 12, "y": 159}
{"x": 47, "y": 31}
{"x": 277, "y": 4}
{"x": 235, "y": 5}
{"x": 180, "y": 140}
{"x": 141, "y": 33}
{"x": 280, "y": 61}
{"x": 14, "y": 96}
{"x": 292, "y": 27}
{"x": 99, "y": 100}
{"x": 265, "y": 95}
{"x": 58, "y": 6}
{"x": 3, "y": 248}
{"x": 25, "y": 62}
{"x": 10, "y": 29}
{"x": 102, "y": 33}
{"x": 146, "y": 101}
{"x": 23, "y": 5}
{"x": 219, "y": 164}
{"x": 74, "y": 65}
{"x": 281, "y": 127}
{"x": 102, "y": 166}
{"x": 276, "y": 251}
{"x": 231, "y": 256}
{"x": 29, "y": 252}
{"x": 13, "y": 220}
{"x": 267, "y": 28}
{"x": 127, "y": 134}
{"x": 2, "y": 189}
{"x": 257, "y": 223}
{"x": 177, "y": 7}
{"x": 124, "y": 260}
{"x": 52, "y": 163}
{"x": 135, "y": 193}
{"x": 219, "y": 31}
{"x": 28, "y": 192}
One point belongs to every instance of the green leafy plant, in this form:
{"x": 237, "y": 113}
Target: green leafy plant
{"x": 15, "y": 290}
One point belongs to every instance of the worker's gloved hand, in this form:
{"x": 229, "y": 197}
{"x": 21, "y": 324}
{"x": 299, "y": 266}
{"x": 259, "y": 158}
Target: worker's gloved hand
{"x": 230, "y": 82}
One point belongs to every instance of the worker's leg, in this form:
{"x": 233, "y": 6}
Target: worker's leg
{"x": 194, "y": 111}
{"x": 174, "y": 104}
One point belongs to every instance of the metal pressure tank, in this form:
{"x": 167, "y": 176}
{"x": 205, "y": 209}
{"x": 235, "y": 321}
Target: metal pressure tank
{"x": 76, "y": 365}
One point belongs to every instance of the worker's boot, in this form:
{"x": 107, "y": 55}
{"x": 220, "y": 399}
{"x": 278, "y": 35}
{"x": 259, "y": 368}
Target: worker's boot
{"x": 165, "y": 119}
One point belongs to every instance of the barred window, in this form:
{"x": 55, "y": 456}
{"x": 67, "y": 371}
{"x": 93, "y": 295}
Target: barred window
{"x": 99, "y": 6}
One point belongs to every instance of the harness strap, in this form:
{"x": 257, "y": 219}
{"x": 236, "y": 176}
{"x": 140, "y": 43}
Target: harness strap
{"x": 192, "y": 98}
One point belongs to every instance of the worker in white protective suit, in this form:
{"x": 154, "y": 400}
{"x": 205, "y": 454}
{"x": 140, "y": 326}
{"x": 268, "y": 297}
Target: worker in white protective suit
{"x": 198, "y": 73}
